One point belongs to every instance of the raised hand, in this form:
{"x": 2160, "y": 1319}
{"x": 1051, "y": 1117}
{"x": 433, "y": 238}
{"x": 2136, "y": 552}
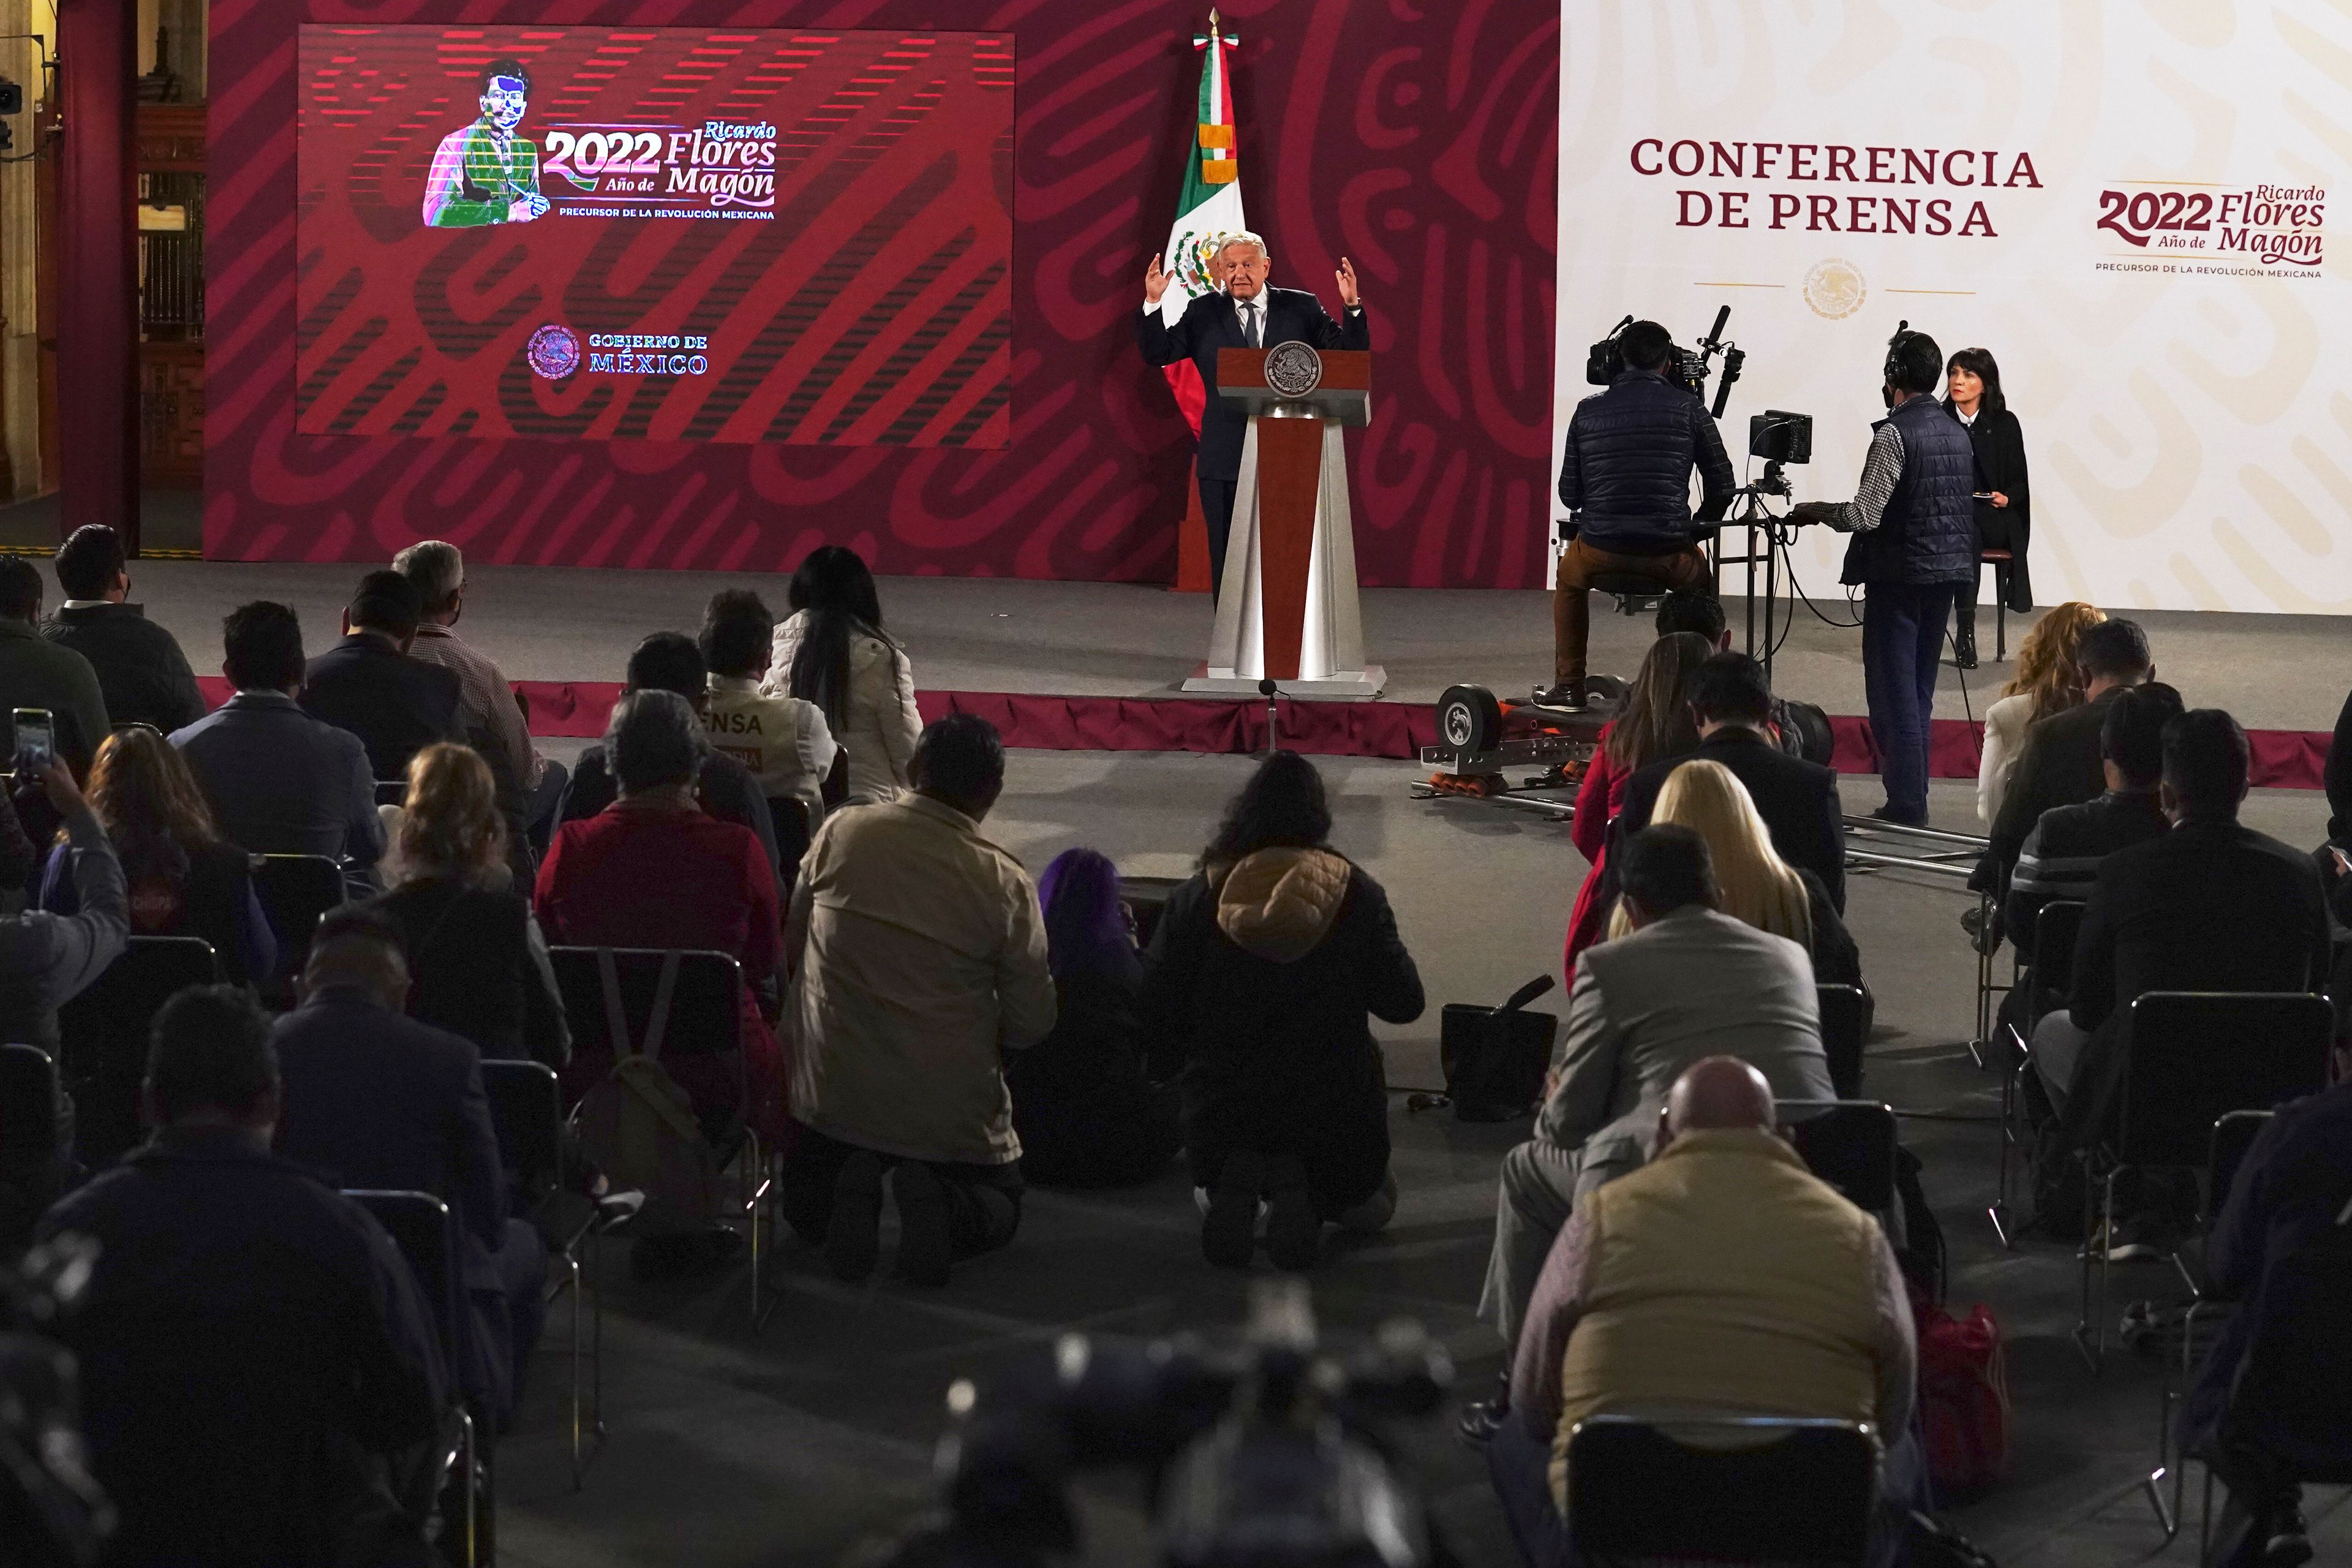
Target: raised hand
{"x": 1347, "y": 276}
{"x": 1155, "y": 282}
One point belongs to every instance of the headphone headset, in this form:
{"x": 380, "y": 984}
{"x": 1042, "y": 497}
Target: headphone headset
{"x": 1894, "y": 347}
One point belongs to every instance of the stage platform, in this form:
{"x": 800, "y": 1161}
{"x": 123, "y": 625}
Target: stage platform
{"x": 1092, "y": 665}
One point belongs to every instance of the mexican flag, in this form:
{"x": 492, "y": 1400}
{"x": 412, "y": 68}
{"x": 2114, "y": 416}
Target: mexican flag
{"x": 1209, "y": 209}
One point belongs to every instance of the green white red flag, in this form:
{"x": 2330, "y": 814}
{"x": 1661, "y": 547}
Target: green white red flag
{"x": 1209, "y": 209}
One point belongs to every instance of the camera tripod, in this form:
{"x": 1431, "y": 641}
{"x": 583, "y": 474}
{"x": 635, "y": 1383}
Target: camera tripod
{"x": 1749, "y": 511}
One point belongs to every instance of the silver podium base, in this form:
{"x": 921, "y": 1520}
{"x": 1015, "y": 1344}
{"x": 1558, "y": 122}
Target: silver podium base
{"x": 1359, "y": 686}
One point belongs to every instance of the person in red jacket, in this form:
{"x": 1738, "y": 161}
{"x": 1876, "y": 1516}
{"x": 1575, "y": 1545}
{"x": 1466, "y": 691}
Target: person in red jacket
{"x": 652, "y": 870}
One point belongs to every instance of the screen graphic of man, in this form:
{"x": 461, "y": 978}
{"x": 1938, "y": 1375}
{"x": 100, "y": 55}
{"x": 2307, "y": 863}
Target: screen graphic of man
{"x": 484, "y": 172}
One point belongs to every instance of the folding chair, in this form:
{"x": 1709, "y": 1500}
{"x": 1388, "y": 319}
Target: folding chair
{"x": 421, "y": 1225}
{"x": 1147, "y": 896}
{"x": 675, "y": 1002}
{"x": 102, "y": 1038}
{"x": 2292, "y": 1390}
{"x": 2050, "y": 975}
{"x": 1987, "y": 988}
{"x": 2232, "y": 1136}
{"x": 791, "y": 818}
{"x": 1793, "y": 1492}
{"x": 296, "y": 892}
{"x": 1849, "y": 1143}
{"x": 32, "y": 1156}
{"x": 390, "y": 792}
{"x": 1845, "y": 1026}
{"x": 2190, "y": 1057}
{"x": 527, "y": 1109}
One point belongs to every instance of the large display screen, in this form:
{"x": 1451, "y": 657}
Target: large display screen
{"x": 656, "y": 234}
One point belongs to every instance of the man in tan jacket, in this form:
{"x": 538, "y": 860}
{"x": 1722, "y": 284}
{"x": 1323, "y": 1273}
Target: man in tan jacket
{"x": 918, "y": 959}
{"x": 1720, "y": 1277}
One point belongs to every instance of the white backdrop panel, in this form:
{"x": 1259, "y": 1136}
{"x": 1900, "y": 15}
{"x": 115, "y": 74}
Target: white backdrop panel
{"x": 2183, "y": 374}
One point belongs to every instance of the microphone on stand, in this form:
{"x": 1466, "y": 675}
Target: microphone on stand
{"x": 1267, "y": 689}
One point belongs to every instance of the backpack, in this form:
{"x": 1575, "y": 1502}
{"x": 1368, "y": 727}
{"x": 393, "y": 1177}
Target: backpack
{"x": 1963, "y": 1397}
{"x": 638, "y": 1126}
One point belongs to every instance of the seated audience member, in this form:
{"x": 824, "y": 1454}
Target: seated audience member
{"x": 1797, "y": 799}
{"x": 2059, "y": 764}
{"x": 47, "y": 960}
{"x": 141, "y": 673}
{"x": 2293, "y": 1185}
{"x": 2211, "y": 906}
{"x": 1654, "y": 722}
{"x": 1689, "y": 982}
{"x": 1260, "y": 977}
{"x": 653, "y": 870}
{"x": 1722, "y": 1277}
{"x": 490, "y": 717}
{"x": 278, "y": 781}
{"x": 1794, "y": 725}
{"x": 476, "y": 959}
{"x": 370, "y": 685}
{"x": 2061, "y": 856}
{"x": 918, "y": 961}
{"x": 185, "y": 878}
{"x": 832, "y": 651}
{"x": 372, "y": 1099}
{"x": 668, "y": 661}
{"x": 1083, "y": 1105}
{"x": 2048, "y": 681}
{"x": 256, "y": 1360}
{"x": 1756, "y": 885}
{"x": 2337, "y": 777}
{"x": 781, "y": 740}
{"x": 37, "y": 673}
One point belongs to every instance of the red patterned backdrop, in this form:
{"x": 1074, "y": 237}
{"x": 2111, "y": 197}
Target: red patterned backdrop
{"x": 1419, "y": 139}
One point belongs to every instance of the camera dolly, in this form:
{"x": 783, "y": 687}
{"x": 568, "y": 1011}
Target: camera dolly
{"x": 1480, "y": 737}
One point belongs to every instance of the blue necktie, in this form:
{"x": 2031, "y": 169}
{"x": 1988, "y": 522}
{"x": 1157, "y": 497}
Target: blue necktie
{"x": 1249, "y": 325}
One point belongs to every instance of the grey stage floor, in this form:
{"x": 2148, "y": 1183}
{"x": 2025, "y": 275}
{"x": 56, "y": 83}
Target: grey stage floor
{"x": 793, "y": 1445}
{"x": 998, "y": 635}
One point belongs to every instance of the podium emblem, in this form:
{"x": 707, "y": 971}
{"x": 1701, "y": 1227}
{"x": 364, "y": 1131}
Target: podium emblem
{"x": 1293, "y": 369}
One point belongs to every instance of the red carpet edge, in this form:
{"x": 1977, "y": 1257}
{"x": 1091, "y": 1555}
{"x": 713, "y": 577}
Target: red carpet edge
{"x": 2282, "y": 759}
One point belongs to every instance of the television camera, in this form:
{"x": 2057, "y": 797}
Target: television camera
{"x": 1260, "y": 1451}
{"x": 1686, "y": 368}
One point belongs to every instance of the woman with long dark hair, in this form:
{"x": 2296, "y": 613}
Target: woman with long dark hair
{"x": 183, "y": 878}
{"x": 1261, "y": 975}
{"x": 1654, "y": 722}
{"x": 832, "y": 651}
{"x": 478, "y": 964}
{"x": 1083, "y": 1105}
{"x": 2004, "y": 506}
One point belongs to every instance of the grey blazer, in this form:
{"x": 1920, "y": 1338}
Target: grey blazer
{"x": 1695, "y": 985}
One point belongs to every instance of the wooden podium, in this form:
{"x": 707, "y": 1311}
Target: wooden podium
{"x": 1287, "y": 610}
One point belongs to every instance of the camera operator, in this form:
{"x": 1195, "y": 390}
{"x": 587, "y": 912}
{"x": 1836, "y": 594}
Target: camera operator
{"x": 1913, "y": 519}
{"x": 1625, "y": 480}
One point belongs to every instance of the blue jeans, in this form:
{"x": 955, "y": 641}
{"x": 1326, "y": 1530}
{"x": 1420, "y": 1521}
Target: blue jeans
{"x": 1902, "y": 648}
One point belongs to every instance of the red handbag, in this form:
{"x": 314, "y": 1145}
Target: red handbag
{"x": 1963, "y": 1398}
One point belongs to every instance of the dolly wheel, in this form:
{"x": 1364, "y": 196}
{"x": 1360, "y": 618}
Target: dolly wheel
{"x": 1469, "y": 719}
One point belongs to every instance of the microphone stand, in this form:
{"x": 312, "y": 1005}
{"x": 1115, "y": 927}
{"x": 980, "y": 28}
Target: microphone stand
{"x": 1267, "y": 689}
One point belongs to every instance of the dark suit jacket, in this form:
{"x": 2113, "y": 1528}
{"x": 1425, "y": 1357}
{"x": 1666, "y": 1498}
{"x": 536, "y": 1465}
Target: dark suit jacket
{"x": 141, "y": 672}
{"x": 2211, "y": 906}
{"x": 2293, "y": 1183}
{"x": 2059, "y": 765}
{"x": 281, "y": 782}
{"x": 375, "y": 1099}
{"x": 1211, "y": 322}
{"x": 1797, "y": 799}
{"x": 247, "y": 1338}
{"x": 2339, "y": 778}
{"x": 397, "y": 705}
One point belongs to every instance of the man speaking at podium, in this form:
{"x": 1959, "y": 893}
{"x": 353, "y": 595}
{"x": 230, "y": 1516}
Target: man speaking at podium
{"x": 1244, "y": 313}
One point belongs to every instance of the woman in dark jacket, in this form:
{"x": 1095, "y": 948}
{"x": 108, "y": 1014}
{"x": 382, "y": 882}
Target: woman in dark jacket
{"x": 1261, "y": 973}
{"x": 1083, "y": 1105}
{"x": 478, "y": 966}
{"x": 183, "y": 878}
{"x": 2004, "y": 506}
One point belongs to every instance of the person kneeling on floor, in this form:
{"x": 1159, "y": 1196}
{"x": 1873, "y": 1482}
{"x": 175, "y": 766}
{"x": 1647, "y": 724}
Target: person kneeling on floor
{"x": 1261, "y": 973}
{"x": 1723, "y": 1276}
{"x": 918, "y": 956}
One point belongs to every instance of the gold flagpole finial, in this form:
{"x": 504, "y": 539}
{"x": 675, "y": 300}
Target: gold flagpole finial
{"x": 1212, "y": 21}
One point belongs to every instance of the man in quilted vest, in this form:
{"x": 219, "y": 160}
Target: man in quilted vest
{"x": 1913, "y": 518}
{"x": 1722, "y": 1277}
{"x": 1624, "y": 476}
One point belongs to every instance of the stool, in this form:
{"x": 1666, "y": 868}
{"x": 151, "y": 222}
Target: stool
{"x": 1635, "y": 596}
{"x": 1999, "y": 561}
